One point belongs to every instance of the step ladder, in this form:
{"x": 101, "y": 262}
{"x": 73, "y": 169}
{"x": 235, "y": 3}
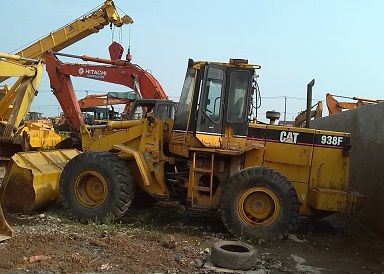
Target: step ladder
{"x": 199, "y": 170}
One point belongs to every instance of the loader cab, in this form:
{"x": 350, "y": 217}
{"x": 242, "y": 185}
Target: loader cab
{"x": 214, "y": 105}
{"x": 159, "y": 108}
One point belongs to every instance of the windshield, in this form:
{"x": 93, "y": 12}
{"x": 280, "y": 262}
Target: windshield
{"x": 184, "y": 107}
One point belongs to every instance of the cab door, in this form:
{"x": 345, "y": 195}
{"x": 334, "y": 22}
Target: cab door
{"x": 209, "y": 126}
{"x": 237, "y": 100}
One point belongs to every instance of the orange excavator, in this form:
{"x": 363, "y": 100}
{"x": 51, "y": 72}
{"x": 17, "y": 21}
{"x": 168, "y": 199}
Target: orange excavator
{"x": 115, "y": 71}
{"x": 93, "y": 103}
{"x": 335, "y": 106}
{"x": 106, "y": 99}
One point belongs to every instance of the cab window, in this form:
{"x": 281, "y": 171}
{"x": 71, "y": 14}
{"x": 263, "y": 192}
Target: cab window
{"x": 236, "y": 111}
{"x": 212, "y": 100}
{"x": 184, "y": 107}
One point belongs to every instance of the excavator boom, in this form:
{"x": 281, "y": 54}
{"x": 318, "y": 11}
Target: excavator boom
{"x": 111, "y": 71}
{"x": 335, "y": 106}
{"x": 316, "y": 113}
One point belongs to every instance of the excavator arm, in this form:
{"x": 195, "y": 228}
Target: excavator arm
{"x": 111, "y": 71}
{"x": 335, "y": 106}
{"x": 105, "y": 99}
{"x": 316, "y": 113}
{"x": 62, "y": 88}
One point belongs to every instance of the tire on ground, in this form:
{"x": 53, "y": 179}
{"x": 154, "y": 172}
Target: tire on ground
{"x": 233, "y": 255}
{"x": 259, "y": 202}
{"x": 111, "y": 173}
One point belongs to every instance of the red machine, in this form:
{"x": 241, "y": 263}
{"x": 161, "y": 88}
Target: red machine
{"x": 101, "y": 100}
{"x": 335, "y": 106}
{"x": 110, "y": 98}
{"x": 115, "y": 71}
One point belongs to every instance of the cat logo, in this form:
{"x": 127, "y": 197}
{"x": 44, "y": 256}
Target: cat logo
{"x": 289, "y": 137}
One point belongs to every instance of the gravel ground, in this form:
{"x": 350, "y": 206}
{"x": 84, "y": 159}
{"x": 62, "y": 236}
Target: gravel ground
{"x": 166, "y": 239}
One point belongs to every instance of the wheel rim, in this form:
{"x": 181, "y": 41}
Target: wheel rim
{"x": 90, "y": 189}
{"x": 258, "y": 206}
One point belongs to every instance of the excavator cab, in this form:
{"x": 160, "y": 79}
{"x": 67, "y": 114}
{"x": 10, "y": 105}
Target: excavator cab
{"x": 161, "y": 109}
{"x": 214, "y": 105}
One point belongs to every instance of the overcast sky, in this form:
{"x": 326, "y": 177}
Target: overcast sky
{"x": 339, "y": 43}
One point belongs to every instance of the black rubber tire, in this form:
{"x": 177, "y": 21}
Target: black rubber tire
{"x": 119, "y": 181}
{"x": 233, "y": 255}
{"x": 259, "y": 177}
{"x": 143, "y": 200}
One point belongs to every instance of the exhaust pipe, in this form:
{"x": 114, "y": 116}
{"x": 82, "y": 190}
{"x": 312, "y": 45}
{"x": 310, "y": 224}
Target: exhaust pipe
{"x": 309, "y": 103}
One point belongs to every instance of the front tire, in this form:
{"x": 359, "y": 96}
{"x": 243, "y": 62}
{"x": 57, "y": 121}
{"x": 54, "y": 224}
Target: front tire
{"x": 96, "y": 186}
{"x": 259, "y": 202}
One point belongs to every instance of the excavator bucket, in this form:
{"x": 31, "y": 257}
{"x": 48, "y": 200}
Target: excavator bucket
{"x": 32, "y": 179}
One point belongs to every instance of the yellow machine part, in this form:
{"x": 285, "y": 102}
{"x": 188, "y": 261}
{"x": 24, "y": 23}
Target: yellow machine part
{"x": 32, "y": 179}
{"x": 16, "y": 102}
{"x": 41, "y": 136}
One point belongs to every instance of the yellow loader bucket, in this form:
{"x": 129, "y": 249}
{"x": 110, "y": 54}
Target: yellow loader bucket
{"x": 32, "y": 179}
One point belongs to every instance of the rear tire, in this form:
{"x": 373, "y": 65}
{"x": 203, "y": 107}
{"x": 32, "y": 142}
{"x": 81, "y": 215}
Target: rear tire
{"x": 259, "y": 202}
{"x": 96, "y": 186}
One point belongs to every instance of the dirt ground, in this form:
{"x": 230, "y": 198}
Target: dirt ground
{"x": 166, "y": 239}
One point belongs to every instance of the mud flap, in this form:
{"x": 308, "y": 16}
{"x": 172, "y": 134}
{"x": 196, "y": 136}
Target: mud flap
{"x": 32, "y": 179}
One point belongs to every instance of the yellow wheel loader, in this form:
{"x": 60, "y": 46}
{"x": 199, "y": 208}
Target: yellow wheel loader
{"x": 213, "y": 157}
